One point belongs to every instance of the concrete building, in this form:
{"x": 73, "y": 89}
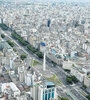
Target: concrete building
{"x": 29, "y": 79}
{"x": 47, "y": 91}
{"x": 44, "y": 91}
{"x": 1, "y": 56}
{"x": 12, "y": 86}
{"x": 21, "y": 72}
{"x": 67, "y": 64}
{"x": 87, "y": 80}
{"x": 11, "y": 63}
{"x": 86, "y": 69}
{"x": 56, "y": 58}
{"x": 17, "y": 63}
{"x": 33, "y": 40}
{"x": 78, "y": 73}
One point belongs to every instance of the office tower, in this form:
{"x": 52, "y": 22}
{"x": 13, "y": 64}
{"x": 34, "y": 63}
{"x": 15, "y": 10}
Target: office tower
{"x": 21, "y": 72}
{"x": 47, "y": 91}
{"x": 29, "y": 79}
{"x": 44, "y": 91}
{"x": 11, "y": 27}
{"x": 49, "y": 22}
{"x": 34, "y": 92}
{"x": 2, "y": 20}
{"x": 11, "y": 63}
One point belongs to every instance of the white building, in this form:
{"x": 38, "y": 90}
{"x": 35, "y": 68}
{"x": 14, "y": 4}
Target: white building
{"x": 1, "y": 67}
{"x": 13, "y": 87}
{"x": 67, "y": 64}
{"x": 86, "y": 69}
{"x": 87, "y": 81}
{"x": 78, "y": 73}
{"x": 44, "y": 91}
{"x": 73, "y": 53}
{"x": 29, "y": 79}
{"x": 21, "y": 72}
{"x": 11, "y": 63}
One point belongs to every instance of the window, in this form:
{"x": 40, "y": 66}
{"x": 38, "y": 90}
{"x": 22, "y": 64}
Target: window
{"x": 52, "y": 94}
{"x": 45, "y": 96}
{"x": 52, "y": 89}
{"x": 49, "y": 96}
{"x": 49, "y": 90}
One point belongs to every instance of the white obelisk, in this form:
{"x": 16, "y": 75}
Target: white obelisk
{"x": 44, "y": 60}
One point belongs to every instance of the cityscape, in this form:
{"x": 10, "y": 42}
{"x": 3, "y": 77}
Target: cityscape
{"x": 44, "y": 50}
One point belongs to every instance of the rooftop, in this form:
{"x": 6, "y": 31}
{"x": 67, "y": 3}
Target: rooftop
{"x": 49, "y": 83}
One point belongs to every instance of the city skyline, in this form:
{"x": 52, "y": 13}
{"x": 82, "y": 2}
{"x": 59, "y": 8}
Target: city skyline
{"x": 84, "y": 1}
{"x": 44, "y": 50}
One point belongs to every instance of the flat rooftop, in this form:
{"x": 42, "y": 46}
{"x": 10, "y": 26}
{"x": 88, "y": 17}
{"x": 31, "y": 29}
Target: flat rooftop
{"x": 49, "y": 83}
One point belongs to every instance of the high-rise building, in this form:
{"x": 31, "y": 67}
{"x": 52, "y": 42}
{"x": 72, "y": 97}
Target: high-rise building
{"x": 49, "y": 22}
{"x": 21, "y": 72}
{"x": 44, "y": 91}
{"x": 11, "y": 63}
{"x": 2, "y": 20}
{"x": 47, "y": 91}
{"x": 29, "y": 78}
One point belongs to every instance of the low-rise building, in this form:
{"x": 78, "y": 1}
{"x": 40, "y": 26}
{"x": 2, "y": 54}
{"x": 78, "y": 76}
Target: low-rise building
{"x": 10, "y": 86}
{"x": 87, "y": 80}
{"x": 78, "y": 73}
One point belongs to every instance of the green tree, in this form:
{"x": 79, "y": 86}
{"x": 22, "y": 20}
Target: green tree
{"x": 39, "y": 54}
{"x": 10, "y": 43}
{"x": 23, "y": 56}
{"x": 32, "y": 49}
{"x": 88, "y": 97}
{"x": 87, "y": 41}
{"x": 54, "y": 63}
{"x": 67, "y": 70}
{"x": 72, "y": 65}
{"x": 14, "y": 50}
{"x": 64, "y": 98}
{"x": 84, "y": 86}
{"x": 4, "y": 26}
{"x": 19, "y": 38}
{"x": 69, "y": 80}
{"x": 2, "y": 35}
{"x": 74, "y": 79}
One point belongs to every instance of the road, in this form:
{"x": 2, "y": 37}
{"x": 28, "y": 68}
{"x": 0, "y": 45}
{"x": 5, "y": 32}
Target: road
{"x": 58, "y": 71}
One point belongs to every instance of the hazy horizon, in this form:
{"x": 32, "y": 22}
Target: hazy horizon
{"x": 52, "y": 0}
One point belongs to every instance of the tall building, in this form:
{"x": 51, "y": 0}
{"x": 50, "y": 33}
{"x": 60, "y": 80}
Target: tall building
{"x": 11, "y": 26}
{"x": 11, "y": 63}
{"x": 21, "y": 72}
{"x": 29, "y": 79}
{"x": 44, "y": 91}
{"x": 2, "y": 20}
{"x": 34, "y": 92}
{"x": 47, "y": 91}
{"x": 87, "y": 80}
{"x": 49, "y": 22}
